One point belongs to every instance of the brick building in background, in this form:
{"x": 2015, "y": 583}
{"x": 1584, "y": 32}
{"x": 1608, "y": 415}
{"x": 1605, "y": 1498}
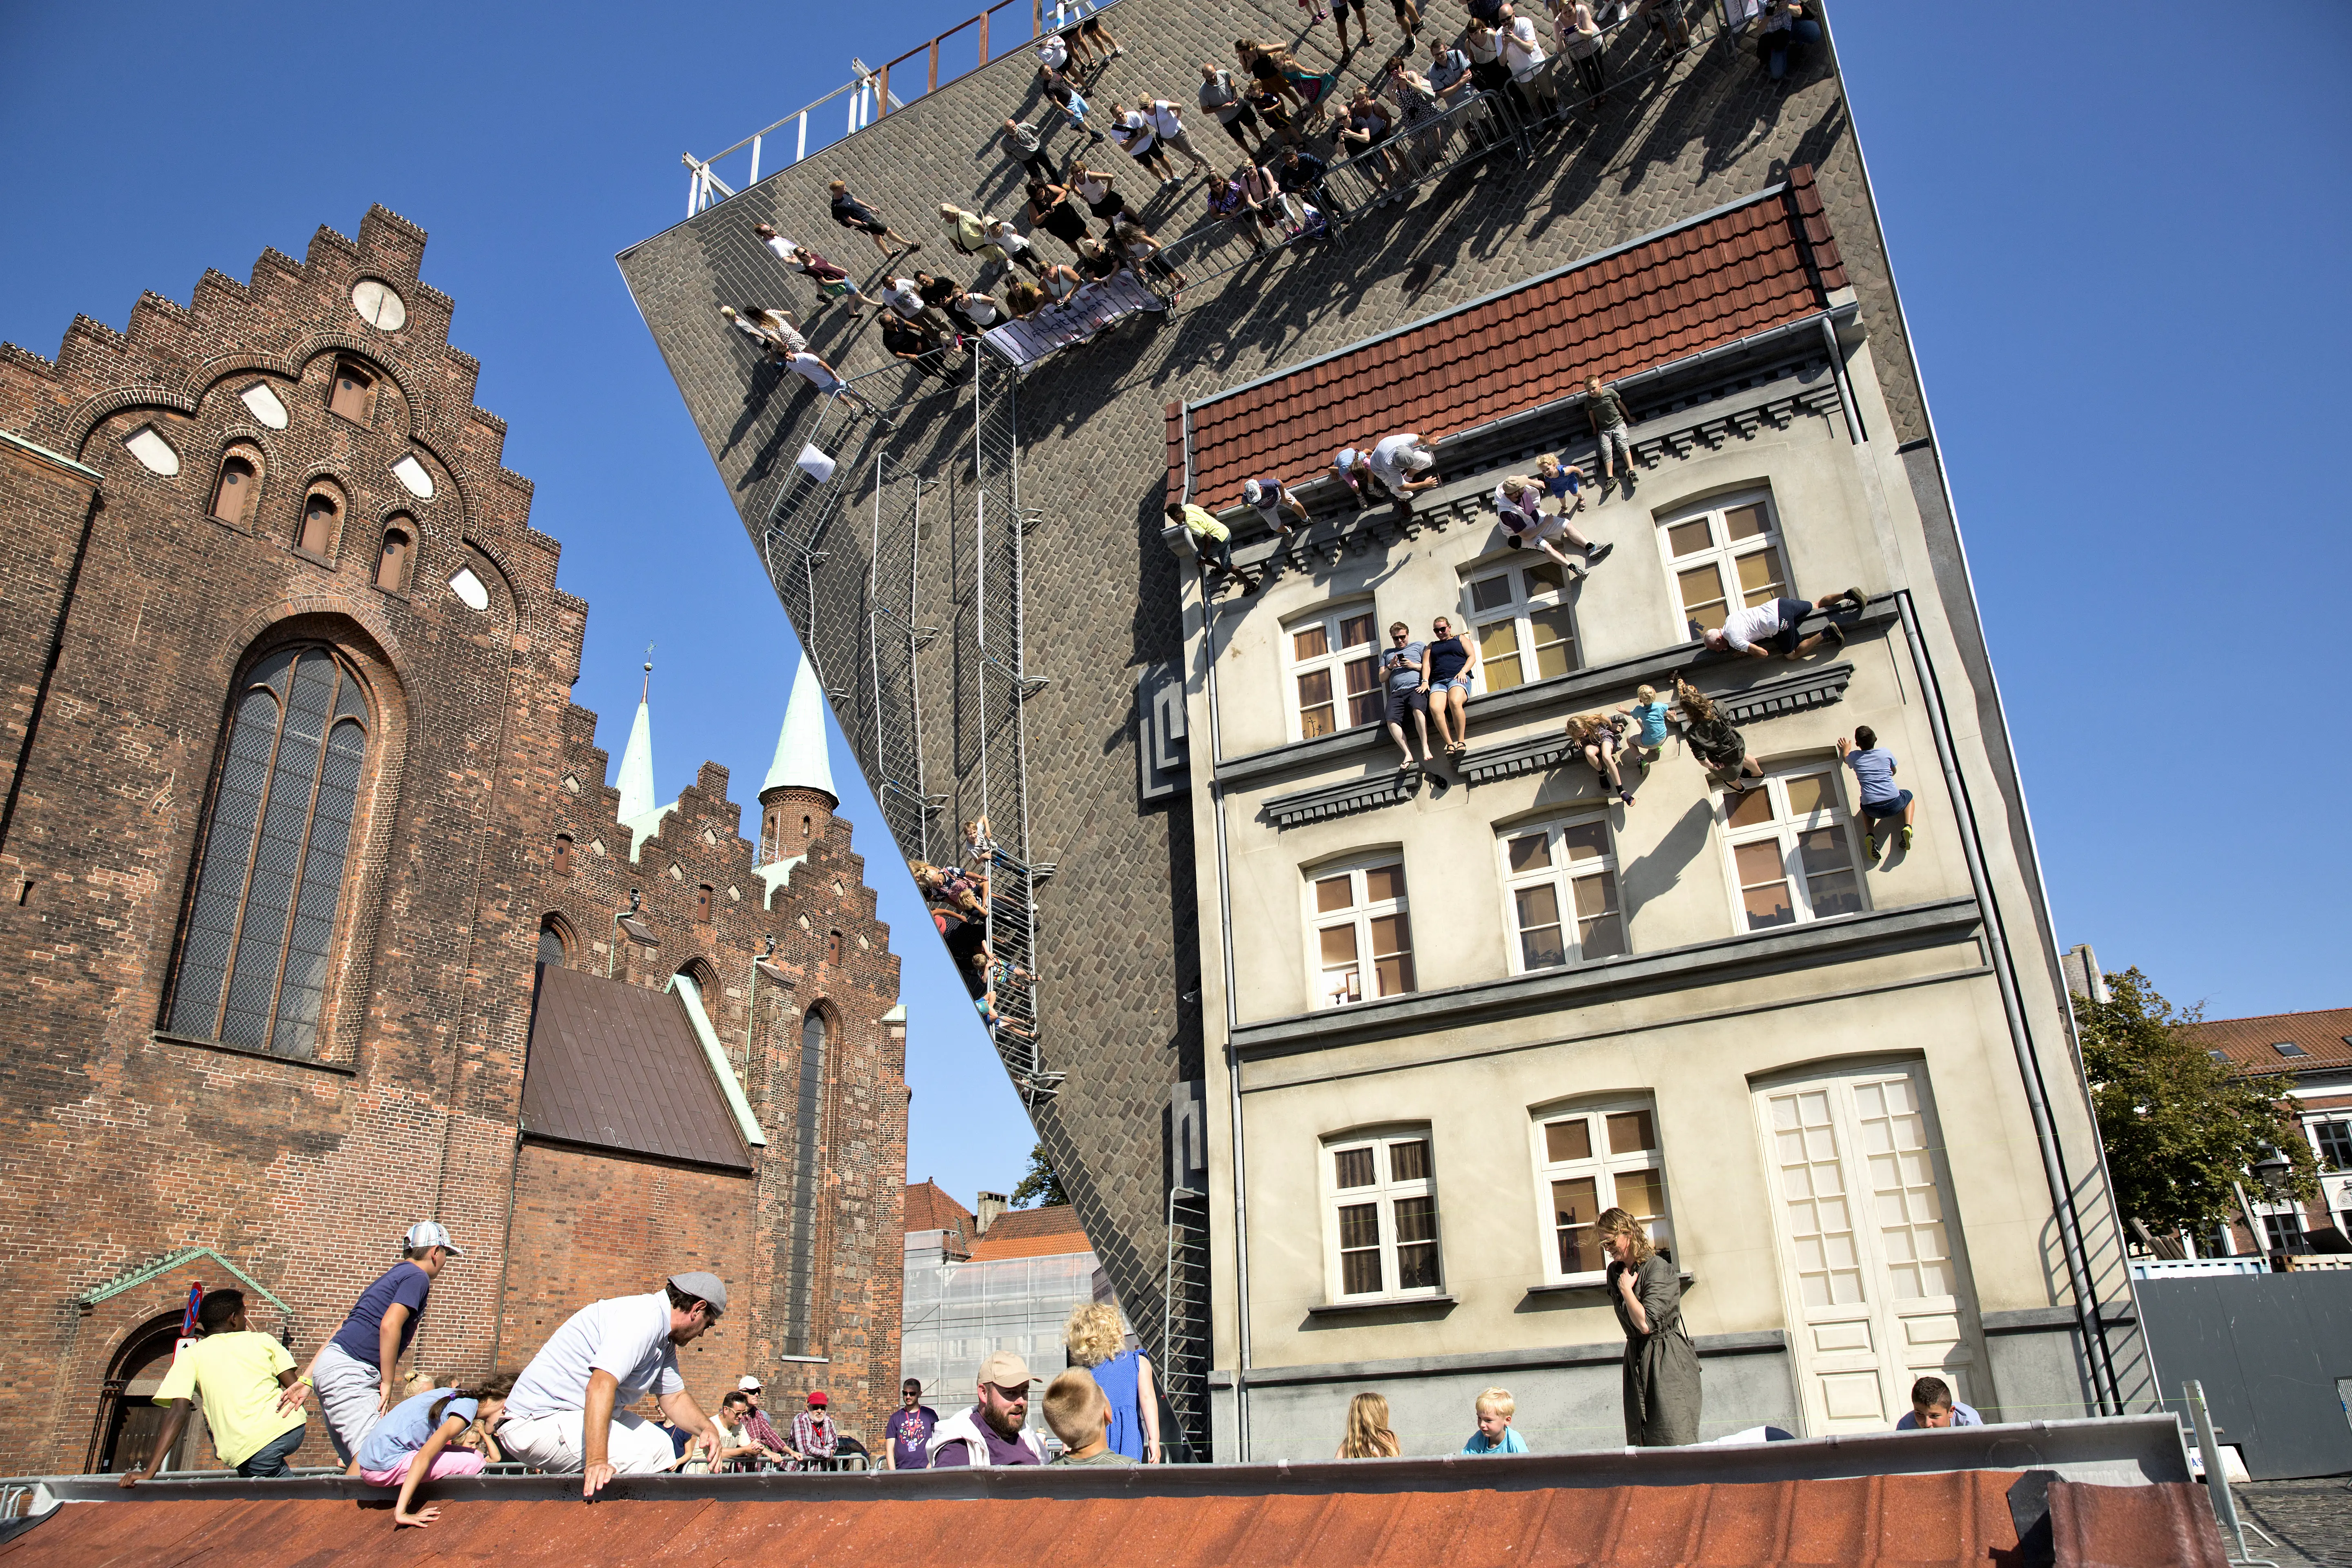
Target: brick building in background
{"x": 2316, "y": 1050}
{"x": 319, "y": 918}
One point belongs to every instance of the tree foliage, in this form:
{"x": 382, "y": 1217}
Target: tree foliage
{"x": 2177, "y": 1128}
{"x": 1041, "y": 1183}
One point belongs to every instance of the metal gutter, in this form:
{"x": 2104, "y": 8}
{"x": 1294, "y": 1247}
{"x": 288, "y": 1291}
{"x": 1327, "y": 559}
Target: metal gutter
{"x": 690, "y": 992}
{"x": 1233, "y": 1007}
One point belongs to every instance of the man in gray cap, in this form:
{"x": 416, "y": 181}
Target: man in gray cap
{"x": 569, "y": 1410}
{"x": 357, "y": 1371}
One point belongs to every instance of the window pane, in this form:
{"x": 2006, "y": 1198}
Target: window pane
{"x": 1810, "y": 793}
{"x": 1641, "y": 1194}
{"x": 1416, "y": 1223}
{"x": 1331, "y": 893}
{"x": 1541, "y": 945}
{"x": 1490, "y": 593}
{"x": 1544, "y": 578}
{"x": 1744, "y": 522}
{"x": 1752, "y": 809}
{"x": 1382, "y": 883}
{"x": 1356, "y": 629}
{"x": 1359, "y": 1273}
{"x": 1565, "y": 1140}
{"x": 1339, "y": 945}
{"x": 1498, "y": 655}
{"x": 1353, "y": 1168}
{"x": 1392, "y": 934}
{"x": 1315, "y": 713}
{"x": 1603, "y": 936}
{"x": 1600, "y": 934}
{"x": 1529, "y": 852}
{"x": 1575, "y": 1205}
{"x": 229, "y": 851}
{"x": 1758, "y": 862}
{"x": 1688, "y": 538}
{"x": 1702, "y": 591}
{"x": 1555, "y": 641}
{"x": 1409, "y": 1162}
{"x": 1314, "y": 688}
{"x": 1310, "y": 642}
{"x": 1363, "y": 691}
{"x": 1766, "y": 906}
{"x": 1630, "y": 1132}
{"x": 1834, "y": 894}
{"x": 1395, "y": 974}
{"x": 1759, "y": 577}
{"x": 1584, "y": 840}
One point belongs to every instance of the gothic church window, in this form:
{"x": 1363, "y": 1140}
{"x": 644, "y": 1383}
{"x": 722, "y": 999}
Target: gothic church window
{"x": 233, "y": 491}
{"x": 253, "y": 964}
{"x": 392, "y": 564}
{"x": 352, "y": 395}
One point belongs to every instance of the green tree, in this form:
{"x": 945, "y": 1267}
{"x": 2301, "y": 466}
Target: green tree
{"x": 2178, "y": 1129}
{"x": 1041, "y": 1183}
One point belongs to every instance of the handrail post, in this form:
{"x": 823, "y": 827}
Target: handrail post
{"x": 755, "y": 163}
{"x": 1036, "y": 18}
{"x": 933, "y": 85}
{"x": 882, "y": 93}
{"x": 799, "y": 150}
{"x": 984, "y": 37}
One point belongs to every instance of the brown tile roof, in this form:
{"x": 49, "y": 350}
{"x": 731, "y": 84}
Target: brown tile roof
{"x": 1390, "y": 1518}
{"x": 615, "y": 1066}
{"x": 1033, "y": 1233}
{"x": 930, "y": 1209}
{"x": 1757, "y": 264}
{"x": 2322, "y": 1035}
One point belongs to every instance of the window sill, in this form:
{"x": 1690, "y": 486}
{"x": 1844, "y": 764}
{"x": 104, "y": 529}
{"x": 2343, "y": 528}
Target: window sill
{"x": 310, "y": 1063}
{"x": 1438, "y": 1304}
{"x": 312, "y": 556}
{"x": 1594, "y": 1282}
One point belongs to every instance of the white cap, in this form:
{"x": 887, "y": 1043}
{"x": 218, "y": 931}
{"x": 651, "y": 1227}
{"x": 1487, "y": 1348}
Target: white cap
{"x": 750, "y": 1383}
{"x": 429, "y": 1233}
{"x": 1419, "y": 458}
{"x": 1250, "y": 491}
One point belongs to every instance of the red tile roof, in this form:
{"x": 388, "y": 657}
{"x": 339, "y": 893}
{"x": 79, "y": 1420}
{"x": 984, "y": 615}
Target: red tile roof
{"x": 1894, "y": 1521}
{"x": 2322, "y": 1035}
{"x": 930, "y": 1208}
{"x": 615, "y": 1066}
{"x": 1045, "y": 1232}
{"x": 1756, "y": 265}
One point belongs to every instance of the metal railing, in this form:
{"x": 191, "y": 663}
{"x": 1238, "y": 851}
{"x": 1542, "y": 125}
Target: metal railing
{"x": 1185, "y": 1325}
{"x": 870, "y": 95}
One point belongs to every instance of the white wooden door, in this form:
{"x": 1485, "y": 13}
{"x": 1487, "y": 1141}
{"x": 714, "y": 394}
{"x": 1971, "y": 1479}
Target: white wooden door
{"x": 1875, "y": 1278}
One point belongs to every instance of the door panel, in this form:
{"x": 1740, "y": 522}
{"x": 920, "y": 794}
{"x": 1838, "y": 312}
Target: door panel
{"x": 1875, "y": 1279}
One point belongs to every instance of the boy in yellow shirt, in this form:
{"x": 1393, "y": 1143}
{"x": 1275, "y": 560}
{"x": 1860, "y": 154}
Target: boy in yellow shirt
{"x": 239, "y": 1374}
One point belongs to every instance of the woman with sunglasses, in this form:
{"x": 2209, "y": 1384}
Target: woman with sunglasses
{"x": 1453, "y": 662}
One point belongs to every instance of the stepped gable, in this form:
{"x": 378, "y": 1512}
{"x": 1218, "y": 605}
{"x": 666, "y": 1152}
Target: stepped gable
{"x": 1757, "y": 264}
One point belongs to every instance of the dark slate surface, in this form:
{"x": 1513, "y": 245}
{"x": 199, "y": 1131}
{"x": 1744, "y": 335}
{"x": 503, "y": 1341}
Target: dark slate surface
{"x": 615, "y": 1066}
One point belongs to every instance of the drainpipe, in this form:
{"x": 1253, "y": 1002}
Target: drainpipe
{"x": 2053, "y": 1170}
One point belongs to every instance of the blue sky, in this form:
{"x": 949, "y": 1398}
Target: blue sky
{"x": 2121, "y": 249}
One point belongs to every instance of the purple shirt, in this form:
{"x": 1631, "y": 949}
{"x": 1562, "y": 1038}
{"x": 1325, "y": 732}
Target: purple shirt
{"x": 406, "y": 1285}
{"x": 908, "y": 1433}
{"x": 1001, "y": 1450}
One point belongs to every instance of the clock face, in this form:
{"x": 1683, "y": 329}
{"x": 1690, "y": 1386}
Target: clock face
{"x": 378, "y": 306}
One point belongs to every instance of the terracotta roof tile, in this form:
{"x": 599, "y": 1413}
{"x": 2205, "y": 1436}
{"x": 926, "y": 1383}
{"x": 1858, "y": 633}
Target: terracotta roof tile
{"x": 615, "y": 1066}
{"x": 929, "y": 1207}
{"x": 2250, "y": 1041}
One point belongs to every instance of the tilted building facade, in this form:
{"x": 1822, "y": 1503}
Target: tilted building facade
{"x": 315, "y": 888}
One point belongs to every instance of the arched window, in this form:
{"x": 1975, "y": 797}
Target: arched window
{"x": 550, "y": 942}
{"x": 318, "y": 533}
{"x": 253, "y": 964}
{"x": 702, "y": 903}
{"x": 833, "y": 949}
{"x": 392, "y": 564}
{"x": 233, "y": 492}
{"x": 353, "y": 393}
{"x": 564, "y": 854}
{"x": 808, "y": 827}
{"x": 800, "y": 1327}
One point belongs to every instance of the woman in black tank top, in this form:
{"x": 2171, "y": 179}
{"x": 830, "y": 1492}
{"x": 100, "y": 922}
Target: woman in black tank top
{"x": 1452, "y": 663}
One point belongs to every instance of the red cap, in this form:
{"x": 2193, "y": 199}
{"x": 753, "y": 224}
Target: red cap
{"x": 818, "y": 1398}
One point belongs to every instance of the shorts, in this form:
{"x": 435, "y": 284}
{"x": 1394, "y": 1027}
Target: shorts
{"x": 835, "y": 290}
{"x": 269, "y": 1459}
{"x": 1879, "y": 810}
{"x": 1459, "y": 681}
{"x": 448, "y": 1464}
{"x": 350, "y": 1396}
{"x": 634, "y": 1446}
{"x": 1792, "y": 617}
{"x": 1401, "y": 697}
{"x": 862, "y": 224}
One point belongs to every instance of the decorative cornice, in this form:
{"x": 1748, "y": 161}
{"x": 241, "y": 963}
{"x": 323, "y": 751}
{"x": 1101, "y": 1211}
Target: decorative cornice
{"x": 1343, "y": 798}
{"x": 1532, "y": 753}
{"x": 1768, "y": 700}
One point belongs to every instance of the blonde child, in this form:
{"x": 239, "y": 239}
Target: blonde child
{"x": 417, "y": 1440}
{"x": 1079, "y": 1413}
{"x": 1594, "y": 736}
{"x": 1369, "y": 1437}
{"x": 1650, "y": 715}
{"x": 1496, "y": 1408}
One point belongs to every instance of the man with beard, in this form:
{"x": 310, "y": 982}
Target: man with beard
{"x": 990, "y": 1433}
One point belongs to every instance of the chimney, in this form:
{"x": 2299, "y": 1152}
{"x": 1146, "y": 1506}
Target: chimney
{"x": 990, "y": 1206}
{"x": 2081, "y": 967}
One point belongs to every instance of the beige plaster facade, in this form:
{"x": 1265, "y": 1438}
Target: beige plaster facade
{"x": 1700, "y": 1021}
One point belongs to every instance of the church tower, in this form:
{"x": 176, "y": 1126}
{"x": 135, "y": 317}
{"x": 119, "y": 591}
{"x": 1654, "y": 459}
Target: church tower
{"x": 797, "y": 800}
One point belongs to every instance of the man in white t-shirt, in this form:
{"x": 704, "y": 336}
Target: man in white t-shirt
{"x": 782, "y": 248}
{"x": 569, "y": 1410}
{"x": 1773, "y": 629}
{"x": 1404, "y": 464}
{"x": 1168, "y": 122}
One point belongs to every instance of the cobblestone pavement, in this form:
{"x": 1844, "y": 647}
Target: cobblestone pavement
{"x": 2310, "y": 1519}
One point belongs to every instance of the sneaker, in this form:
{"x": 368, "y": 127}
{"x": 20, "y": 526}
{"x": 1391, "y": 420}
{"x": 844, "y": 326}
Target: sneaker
{"x": 1870, "y": 845}
{"x": 1861, "y": 601}
{"x": 1597, "y": 554}
{"x": 1626, "y": 795}
{"x": 1906, "y": 836}
{"x": 1835, "y": 634}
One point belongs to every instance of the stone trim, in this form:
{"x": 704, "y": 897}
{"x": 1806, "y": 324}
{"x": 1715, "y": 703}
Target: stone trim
{"x": 2055, "y": 1320}
{"x": 1757, "y": 1342}
{"x": 1344, "y": 798}
{"x": 1433, "y": 1306}
{"x": 1777, "y": 950}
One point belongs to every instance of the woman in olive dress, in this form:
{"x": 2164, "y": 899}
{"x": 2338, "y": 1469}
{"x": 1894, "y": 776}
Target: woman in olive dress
{"x": 1662, "y": 1394}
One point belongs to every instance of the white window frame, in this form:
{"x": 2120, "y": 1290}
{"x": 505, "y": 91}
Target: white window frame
{"x": 1526, "y": 596}
{"x": 2313, "y": 1122}
{"x": 1562, "y": 875}
{"x": 1603, "y": 1167}
{"x": 1384, "y": 1192}
{"x": 1359, "y": 914}
{"x": 1722, "y": 552}
{"x": 1330, "y": 617}
{"x": 1786, "y": 829}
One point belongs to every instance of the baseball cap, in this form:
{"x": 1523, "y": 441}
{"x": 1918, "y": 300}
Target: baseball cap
{"x": 709, "y": 1287}
{"x": 747, "y": 1383}
{"x": 1419, "y": 458}
{"x": 1250, "y": 491}
{"x": 1005, "y": 1370}
{"x": 817, "y": 1397}
{"x": 430, "y": 1233}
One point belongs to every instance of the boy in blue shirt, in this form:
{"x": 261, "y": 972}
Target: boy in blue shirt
{"x": 1496, "y": 1408}
{"x": 1649, "y": 715}
{"x": 1874, "y": 774}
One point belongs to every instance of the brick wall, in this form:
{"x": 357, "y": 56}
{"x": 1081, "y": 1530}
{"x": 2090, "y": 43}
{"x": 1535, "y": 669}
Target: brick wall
{"x": 120, "y": 1144}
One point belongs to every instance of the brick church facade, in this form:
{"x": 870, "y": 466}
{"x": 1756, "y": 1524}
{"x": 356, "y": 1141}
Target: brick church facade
{"x": 317, "y": 917}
